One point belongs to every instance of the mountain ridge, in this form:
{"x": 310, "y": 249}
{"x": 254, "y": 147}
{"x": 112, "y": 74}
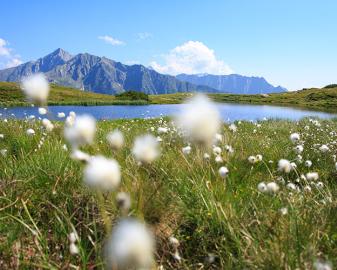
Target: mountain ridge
{"x": 233, "y": 83}
{"x": 99, "y": 74}
{"x": 103, "y": 75}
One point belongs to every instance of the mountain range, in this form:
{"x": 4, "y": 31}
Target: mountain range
{"x": 233, "y": 83}
{"x": 102, "y": 75}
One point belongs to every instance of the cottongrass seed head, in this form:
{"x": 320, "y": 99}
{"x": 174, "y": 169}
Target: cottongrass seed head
{"x": 285, "y": 166}
{"x": 30, "y": 132}
{"x": 199, "y": 120}
{"x": 223, "y": 172}
{"x": 295, "y": 137}
{"x": 115, "y": 139}
{"x": 81, "y": 132}
{"x": 146, "y": 148}
{"x": 36, "y": 88}
{"x": 102, "y": 173}
{"x": 130, "y": 246}
{"x": 312, "y": 176}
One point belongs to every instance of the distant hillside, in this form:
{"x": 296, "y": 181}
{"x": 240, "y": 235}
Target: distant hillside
{"x": 319, "y": 99}
{"x": 11, "y": 95}
{"x": 100, "y": 75}
{"x": 233, "y": 83}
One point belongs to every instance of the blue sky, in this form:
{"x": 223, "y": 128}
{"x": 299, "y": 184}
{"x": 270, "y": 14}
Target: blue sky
{"x": 291, "y": 43}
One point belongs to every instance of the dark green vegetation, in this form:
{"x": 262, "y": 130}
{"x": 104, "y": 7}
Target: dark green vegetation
{"x": 331, "y": 86}
{"x": 133, "y": 95}
{"x": 43, "y": 199}
{"x": 318, "y": 99}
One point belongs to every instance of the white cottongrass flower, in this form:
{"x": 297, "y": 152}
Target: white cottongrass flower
{"x": 229, "y": 149}
{"x": 81, "y": 132}
{"x": 233, "y": 127}
{"x": 284, "y": 166}
{"x": 36, "y": 88}
{"x": 308, "y": 163}
{"x": 312, "y": 176}
{"x": 293, "y": 165}
{"x": 262, "y": 187}
{"x": 299, "y": 149}
{"x": 199, "y": 120}
{"x": 79, "y": 155}
{"x": 186, "y": 150}
{"x": 146, "y": 148}
{"x": 218, "y": 138}
{"x": 218, "y": 159}
{"x": 162, "y": 130}
{"x": 307, "y": 188}
{"x": 42, "y": 111}
{"x": 259, "y": 157}
{"x": 130, "y": 246}
{"x": 324, "y": 148}
{"x": 223, "y": 172}
{"x": 102, "y": 173}
{"x": 252, "y": 159}
{"x": 73, "y": 237}
{"x": 272, "y": 187}
{"x": 295, "y": 137}
{"x": 283, "y": 211}
{"x": 320, "y": 265}
{"x": 319, "y": 185}
{"x": 291, "y": 186}
{"x": 3, "y": 152}
{"x": 61, "y": 115}
{"x": 336, "y": 165}
{"x": 174, "y": 241}
{"x": 115, "y": 139}
{"x": 217, "y": 150}
{"x": 2, "y": 136}
{"x": 207, "y": 157}
{"x": 73, "y": 249}
{"x": 303, "y": 178}
{"x": 30, "y": 132}
{"x": 47, "y": 124}
{"x": 70, "y": 120}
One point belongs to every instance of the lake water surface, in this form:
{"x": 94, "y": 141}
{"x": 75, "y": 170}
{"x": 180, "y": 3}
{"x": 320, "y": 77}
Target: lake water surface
{"x": 229, "y": 112}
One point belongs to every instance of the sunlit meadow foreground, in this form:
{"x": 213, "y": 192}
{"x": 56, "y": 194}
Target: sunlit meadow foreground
{"x": 191, "y": 193}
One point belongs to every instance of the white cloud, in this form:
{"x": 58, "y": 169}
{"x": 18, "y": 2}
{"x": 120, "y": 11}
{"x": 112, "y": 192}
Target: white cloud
{"x": 191, "y": 57}
{"x": 7, "y": 58}
{"x": 144, "y": 35}
{"x": 14, "y": 62}
{"x": 4, "y": 51}
{"x": 112, "y": 41}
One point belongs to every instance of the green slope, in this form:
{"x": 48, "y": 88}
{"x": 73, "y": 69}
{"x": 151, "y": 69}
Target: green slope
{"x": 11, "y": 95}
{"x": 319, "y": 99}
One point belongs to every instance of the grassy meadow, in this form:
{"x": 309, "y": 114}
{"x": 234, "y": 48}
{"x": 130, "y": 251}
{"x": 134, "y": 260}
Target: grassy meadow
{"x": 11, "y": 95}
{"x": 313, "y": 98}
{"x": 220, "y": 223}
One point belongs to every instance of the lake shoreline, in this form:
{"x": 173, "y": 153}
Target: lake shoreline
{"x": 144, "y": 103}
{"x": 228, "y": 111}
{"x": 324, "y": 99}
